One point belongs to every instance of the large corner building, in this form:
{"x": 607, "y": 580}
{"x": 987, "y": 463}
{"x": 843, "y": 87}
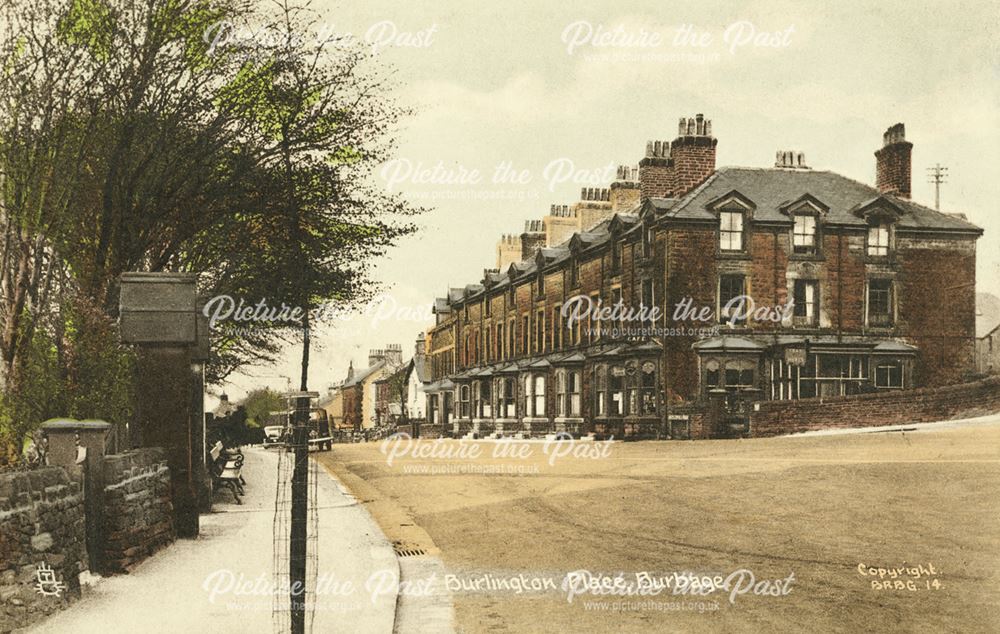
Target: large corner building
{"x": 855, "y": 288}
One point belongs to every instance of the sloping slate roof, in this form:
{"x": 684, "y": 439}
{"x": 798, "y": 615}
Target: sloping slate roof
{"x": 361, "y": 375}
{"x": 420, "y": 367}
{"x": 329, "y": 398}
{"x": 987, "y": 314}
{"x": 441, "y": 305}
{"x": 770, "y": 188}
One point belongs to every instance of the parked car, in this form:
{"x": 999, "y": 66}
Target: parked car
{"x": 273, "y": 435}
{"x": 280, "y": 429}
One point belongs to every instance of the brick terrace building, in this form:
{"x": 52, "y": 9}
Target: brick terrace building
{"x": 875, "y": 292}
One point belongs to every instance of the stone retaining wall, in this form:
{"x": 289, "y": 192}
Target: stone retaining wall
{"x": 138, "y": 510}
{"x": 41, "y": 525}
{"x": 963, "y": 400}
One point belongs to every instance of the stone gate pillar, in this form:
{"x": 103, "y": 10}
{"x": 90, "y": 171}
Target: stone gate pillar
{"x": 82, "y": 442}
{"x": 160, "y": 317}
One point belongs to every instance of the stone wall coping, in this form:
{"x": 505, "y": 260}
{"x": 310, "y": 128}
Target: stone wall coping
{"x": 71, "y": 424}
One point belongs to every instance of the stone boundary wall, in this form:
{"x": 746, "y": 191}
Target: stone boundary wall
{"x": 42, "y": 522}
{"x": 922, "y": 405}
{"x": 138, "y": 517}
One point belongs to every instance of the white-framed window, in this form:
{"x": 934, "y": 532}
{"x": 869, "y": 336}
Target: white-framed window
{"x": 534, "y": 395}
{"x": 464, "y": 404}
{"x": 878, "y": 240}
{"x": 731, "y": 286}
{"x": 806, "y": 301}
{"x": 880, "y": 312}
{"x": 568, "y": 391}
{"x": 506, "y": 389}
{"x": 539, "y": 394}
{"x": 731, "y": 230}
{"x": 600, "y": 390}
{"x": 889, "y": 375}
{"x": 804, "y": 234}
{"x": 484, "y": 399}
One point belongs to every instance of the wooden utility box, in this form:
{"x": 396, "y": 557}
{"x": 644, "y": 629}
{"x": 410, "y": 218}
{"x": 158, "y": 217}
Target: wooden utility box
{"x": 159, "y": 308}
{"x": 160, "y": 316}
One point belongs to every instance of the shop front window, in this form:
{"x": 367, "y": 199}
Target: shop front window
{"x": 730, "y": 374}
{"x": 647, "y": 385}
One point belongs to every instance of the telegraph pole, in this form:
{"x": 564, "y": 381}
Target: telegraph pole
{"x": 298, "y": 538}
{"x": 936, "y": 176}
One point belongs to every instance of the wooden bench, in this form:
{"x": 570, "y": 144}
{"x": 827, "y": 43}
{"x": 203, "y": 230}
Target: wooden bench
{"x": 227, "y": 470}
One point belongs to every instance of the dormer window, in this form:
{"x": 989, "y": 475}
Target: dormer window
{"x": 878, "y": 240}
{"x": 647, "y": 241}
{"x": 731, "y": 230}
{"x": 574, "y": 273}
{"x": 880, "y": 214}
{"x": 734, "y": 211}
{"x": 807, "y": 214}
{"x": 804, "y": 234}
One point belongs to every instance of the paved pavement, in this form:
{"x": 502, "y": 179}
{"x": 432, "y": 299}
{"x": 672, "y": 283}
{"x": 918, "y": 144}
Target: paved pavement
{"x": 221, "y": 582}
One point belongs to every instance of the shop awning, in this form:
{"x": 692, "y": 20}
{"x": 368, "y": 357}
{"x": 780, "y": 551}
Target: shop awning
{"x": 728, "y": 344}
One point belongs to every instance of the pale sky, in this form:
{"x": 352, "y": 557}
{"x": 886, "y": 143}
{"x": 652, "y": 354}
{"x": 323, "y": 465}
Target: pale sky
{"x": 496, "y": 83}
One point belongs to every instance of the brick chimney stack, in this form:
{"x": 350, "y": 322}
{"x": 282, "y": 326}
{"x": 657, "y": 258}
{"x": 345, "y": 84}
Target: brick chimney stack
{"x": 508, "y": 250}
{"x": 625, "y": 189}
{"x": 892, "y": 163}
{"x": 532, "y": 239}
{"x": 393, "y": 355}
{"x": 656, "y": 171}
{"x": 692, "y": 153}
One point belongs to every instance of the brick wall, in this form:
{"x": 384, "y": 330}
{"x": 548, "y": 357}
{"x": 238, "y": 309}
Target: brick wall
{"x": 138, "y": 513}
{"x": 931, "y": 404}
{"x": 41, "y": 522}
{"x": 937, "y": 306}
{"x": 690, "y": 272}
